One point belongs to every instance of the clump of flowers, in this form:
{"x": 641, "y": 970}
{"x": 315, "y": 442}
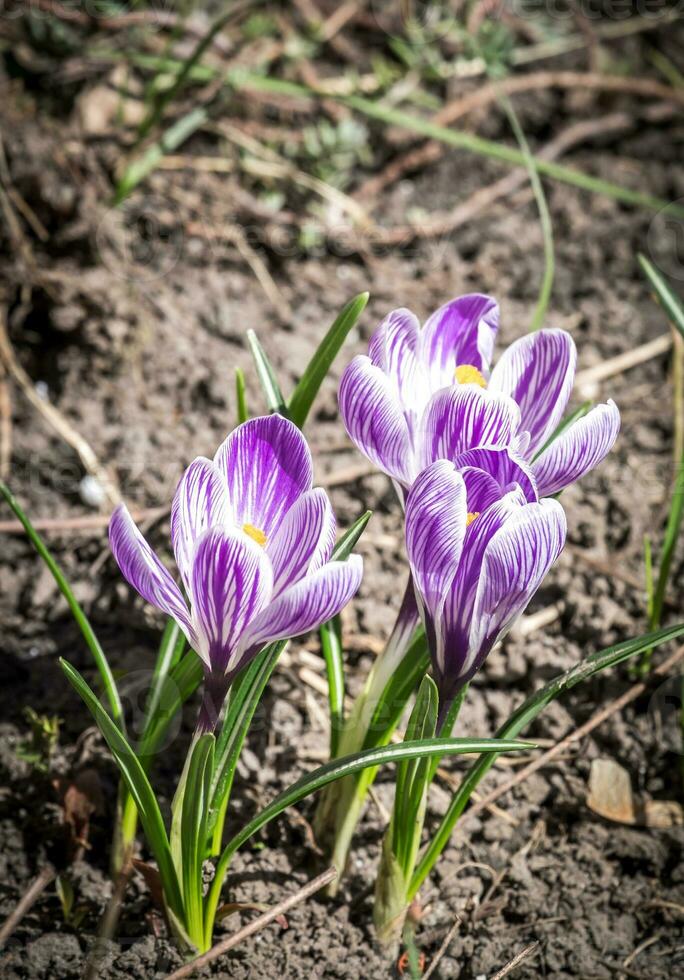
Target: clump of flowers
{"x": 477, "y": 456}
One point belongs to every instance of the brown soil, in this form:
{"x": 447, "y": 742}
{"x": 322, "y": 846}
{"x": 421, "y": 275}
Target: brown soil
{"x": 138, "y": 353}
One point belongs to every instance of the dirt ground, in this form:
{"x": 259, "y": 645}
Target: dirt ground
{"x": 135, "y": 340}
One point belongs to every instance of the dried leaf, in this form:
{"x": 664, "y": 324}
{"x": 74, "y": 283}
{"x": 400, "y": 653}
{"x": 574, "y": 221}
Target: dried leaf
{"x": 610, "y": 792}
{"x": 153, "y": 881}
{"x": 661, "y": 814}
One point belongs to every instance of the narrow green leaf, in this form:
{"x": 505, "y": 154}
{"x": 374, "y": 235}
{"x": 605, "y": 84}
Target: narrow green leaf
{"x": 267, "y": 377}
{"x": 333, "y": 654}
{"x": 241, "y": 79}
{"x": 666, "y": 296}
{"x": 194, "y": 812}
{"x": 138, "y": 786}
{"x": 181, "y": 682}
{"x": 347, "y": 541}
{"x": 245, "y": 695}
{"x": 101, "y": 662}
{"x": 544, "y": 215}
{"x": 241, "y": 707}
{"x": 174, "y": 137}
{"x": 674, "y": 523}
{"x": 565, "y": 424}
{"x": 648, "y": 575}
{"x": 304, "y": 394}
{"x": 338, "y": 769}
{"x": 241, "y": 396}
{"x": 413, "y": 776}
{"x": 171, "y": 650}
{"x": 401, "y": 686}
{"x": 527, "y": 712}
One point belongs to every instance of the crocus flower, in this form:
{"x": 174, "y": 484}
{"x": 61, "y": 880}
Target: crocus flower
{"x": 478, "y": 553}
{"x": 425, "y": 394}
{"x": 252, "y": 542}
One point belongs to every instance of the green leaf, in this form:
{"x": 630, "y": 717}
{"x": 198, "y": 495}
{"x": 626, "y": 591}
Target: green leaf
{"x": 331, "y": 640}
{"x": 413, "y": 776}
{"x": 565, "y": 424}
{"x": 174, "y": 137}
{"x": 138, "y": 786}
{"x": 241, "y": 396}
{"x": 338, "y": 769}
{"x": 526, "y": 713}
{"x": 304, "y": 394}
{"x": 245, "y": 695}
{"x": 665, "y": 295}
{"x": 240, "y": 79}
{"x": 267, "y": 378}
{"x": 347, "y": 541}
{"x": 194, "y": 814}
{"x": 546, "y": 287}
{"x": 170, "y": 652}
{"x": 82, "y": 621}
{"x": 181, "y": 682}
{"x": 401, "y": 686}
{"x": 244, "y": 698}
{"x": 674, "y": 523}
{"x": 333, "y": 654}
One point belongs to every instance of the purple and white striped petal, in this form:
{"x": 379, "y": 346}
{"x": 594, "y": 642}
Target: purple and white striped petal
{"x": 504, "y": 465}
{"x": 374, "y": 419}
{"x": 482, "y": 489}
{"x": 268, "y": 466}
{"x": 394, "y": 349}
{"x": 142, "y": 569}
{"x": 306, "y": 605}
{"x": 454, "y": 637}
{"x": 464, "y": 417}
{"x": 460, "y": 333}
{"x": 200, "y": 502}
{"x": 538, "y": 371}
{"x": 304, "y": 541}
{"x": 436, "y": 512}
{"x": 232, "y": 582}
{"x": 515, "y": 561}
{"x": 579, "y": 449}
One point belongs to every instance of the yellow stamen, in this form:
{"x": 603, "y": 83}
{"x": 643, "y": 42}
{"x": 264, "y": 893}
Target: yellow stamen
{"x": 468, "y": 374}
{"x": 471, "y": 517}
{"x": 255, "y": 533}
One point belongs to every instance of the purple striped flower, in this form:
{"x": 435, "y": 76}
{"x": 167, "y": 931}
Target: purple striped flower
{"x": 252, "y": 541}
{"x": 427, "y": 394}
{"x": 477, "y": 554}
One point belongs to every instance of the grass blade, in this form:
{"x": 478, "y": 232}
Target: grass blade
{"x": 304, "y": 394}
{"x": 174, "y": 137}
{"x": 565, "y": 424}
{"x": 333, "y": 654}
{"x": 664, "y": 294}
{"x": 338, "y": 769}
{"x": 193, "y": 835}
{"x": 267, "y": 377}
{"x": 138, "y": 786}
{"x": 544, "y": 215}
{"x": 245, "y": 696}
{"x": 241, "y": 396}
{"x": 108, "y": 682}
{"x": 527, "y": 712}
{"x": 244, "y": 80}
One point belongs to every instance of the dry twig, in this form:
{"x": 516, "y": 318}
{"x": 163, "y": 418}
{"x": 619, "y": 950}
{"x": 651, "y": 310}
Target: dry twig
{"x": 516, "y": 961}
{"x": 596, "y": 719}
{"x": 27, "y": 901}
{"x": 232, "y": 941}
{"x": 56, "y": 420}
